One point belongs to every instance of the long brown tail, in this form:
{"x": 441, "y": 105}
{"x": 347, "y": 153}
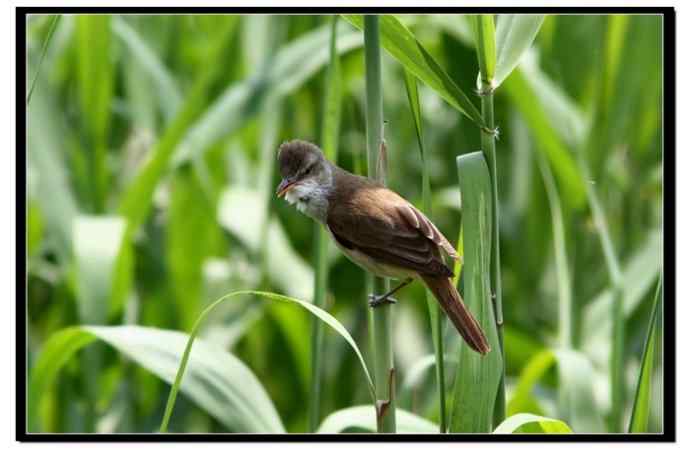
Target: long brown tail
{"x": 452, "y": 304}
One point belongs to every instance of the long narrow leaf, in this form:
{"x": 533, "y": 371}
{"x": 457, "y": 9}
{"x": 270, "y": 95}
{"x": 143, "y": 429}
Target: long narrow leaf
{"x": 217, "y": 381}
{"x": 478, "y": 377}
{"x": 405, "y": 48}
{"x": 639, "y": 419}
{"x": 321, "y": 314}
{"x": 486, "y": 46}
{"x": 514, "y": 35}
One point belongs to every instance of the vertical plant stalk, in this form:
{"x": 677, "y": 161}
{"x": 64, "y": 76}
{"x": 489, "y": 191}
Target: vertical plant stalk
{"x": 329, "y": 143}
{"x": 435, "y": 317}
{"x": 376, "y": 160}
{"x": 486, "y": 56}
{"x": 489, "y": 149}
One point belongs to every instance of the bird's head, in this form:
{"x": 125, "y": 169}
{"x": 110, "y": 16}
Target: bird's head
{"x": 307, "y": 175}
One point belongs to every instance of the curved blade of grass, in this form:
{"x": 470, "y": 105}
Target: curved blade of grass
{"x": 53, "y": 25}
{"x": 318, "y": 312}
{"x": 478, "y": 377}
{"x": 363, "y": 419}
{"x": 404, "y": 47}
{"x": 486, "y": 46}
{"x": 136, "y": 201}
{"x": 168, "y": 93}
{"x": 530, "y": 423}
{"x": 514, "y": 35}
{"x": 218, "y": 382}
{"x": 329, "y": 142}
{"x": 293, "y": 65}
{"x": 639, "y": 419}
{"x": 434, "y": 310}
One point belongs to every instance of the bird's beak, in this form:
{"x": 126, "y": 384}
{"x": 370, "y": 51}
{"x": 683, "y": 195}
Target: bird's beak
{"x": 284, "y": 186}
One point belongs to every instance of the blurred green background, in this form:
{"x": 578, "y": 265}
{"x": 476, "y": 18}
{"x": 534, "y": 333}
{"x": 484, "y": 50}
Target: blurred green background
{"x": 151, "y": 171}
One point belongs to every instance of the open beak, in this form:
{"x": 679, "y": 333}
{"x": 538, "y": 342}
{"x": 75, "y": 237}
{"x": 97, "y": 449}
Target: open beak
{"x": 284, "y": 186}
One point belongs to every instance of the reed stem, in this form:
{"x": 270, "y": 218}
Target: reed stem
{"x": 376, "y": 160}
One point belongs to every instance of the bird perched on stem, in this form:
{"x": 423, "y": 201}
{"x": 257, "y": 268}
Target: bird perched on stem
{"x": 377, "y": 229}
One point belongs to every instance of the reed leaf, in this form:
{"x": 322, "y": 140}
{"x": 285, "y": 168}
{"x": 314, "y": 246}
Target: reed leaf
{"x": 478, "y": 377}
{"x": 406, "y": 49}
{"x": 641, "y": 411}
{"x": 514, "y": 35}
{"x": 217, "y": 382}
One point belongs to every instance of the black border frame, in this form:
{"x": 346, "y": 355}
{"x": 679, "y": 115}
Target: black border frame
{"x": 669, "y": 235}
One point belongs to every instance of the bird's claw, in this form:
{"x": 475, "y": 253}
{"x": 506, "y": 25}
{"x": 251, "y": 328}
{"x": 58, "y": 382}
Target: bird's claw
{"x": 377, "y": 300}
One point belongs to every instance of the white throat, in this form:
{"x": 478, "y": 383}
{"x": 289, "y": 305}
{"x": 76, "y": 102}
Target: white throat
{"x": 311, "y": 197}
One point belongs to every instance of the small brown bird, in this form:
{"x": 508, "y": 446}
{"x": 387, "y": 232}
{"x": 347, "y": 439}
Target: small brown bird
{"x": 376, "y": 228}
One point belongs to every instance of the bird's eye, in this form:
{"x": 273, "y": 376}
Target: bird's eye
{"x": 309, "y": 170}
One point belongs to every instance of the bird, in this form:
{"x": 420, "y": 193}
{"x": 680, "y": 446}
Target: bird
{"x": 375, "y": 228}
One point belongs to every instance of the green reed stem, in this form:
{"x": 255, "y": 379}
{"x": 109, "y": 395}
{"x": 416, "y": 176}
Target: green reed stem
{"x": 376, "y": 159}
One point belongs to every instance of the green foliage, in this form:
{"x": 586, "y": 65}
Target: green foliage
{"x": 151, "y": 170}
{"x": 478, "y": 377}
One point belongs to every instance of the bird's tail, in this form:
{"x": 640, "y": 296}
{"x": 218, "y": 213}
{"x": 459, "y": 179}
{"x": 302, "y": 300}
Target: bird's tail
{"x": 452, "y": 304}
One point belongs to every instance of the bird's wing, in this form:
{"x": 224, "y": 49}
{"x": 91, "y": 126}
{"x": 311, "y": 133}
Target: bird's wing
{"x": 383, "y": 225}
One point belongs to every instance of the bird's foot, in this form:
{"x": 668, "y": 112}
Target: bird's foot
{"x": 377, "y": 300}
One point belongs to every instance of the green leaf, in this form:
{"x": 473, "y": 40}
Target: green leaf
{"x": 97, "y": 241}
{"x": 478, "y": 377}
{"x": 362, "y": 419}
{"x": 321, "y": 314}
{"x": 406, "y": 49}
{"x": 641, "y": 412}
{"x": 530, "y": 423}
{"x": 486, "y": 46}
{"x": 217, "y": 381}
{"x": 163, "y": 81}
{"x": 514, "y": 35}
{"x": 292, "y": 66}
